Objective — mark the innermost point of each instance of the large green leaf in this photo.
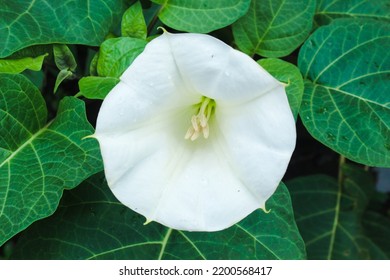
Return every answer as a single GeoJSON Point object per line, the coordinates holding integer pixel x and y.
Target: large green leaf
{"type": "Point", "coordinates": [31, 22]}
{"type": "Point", "coordinates": [117, 54]}
{"type": "Point", "coordinates": [274, 28]}
{"type": "Point", "coordinates": [327, 10]}
{"type": "Point", "coordinates": [329, 215]}
{"type": "Point", "coordinates": [289, 74]}
{"type": "Point", "coordinates": [19, 65]}
{"type": "Point", "coordinates": [39, 160]}
{"type": "Point", "coordinates": [346, 103]}
{"type": "Point", "coordinates": [91, 224]}
{"type": "Point", "coordinates": [201, 16]}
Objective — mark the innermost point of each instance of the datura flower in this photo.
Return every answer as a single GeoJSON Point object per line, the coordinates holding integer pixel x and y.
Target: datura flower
{"type": "Point", "coordinates": [196, 135]}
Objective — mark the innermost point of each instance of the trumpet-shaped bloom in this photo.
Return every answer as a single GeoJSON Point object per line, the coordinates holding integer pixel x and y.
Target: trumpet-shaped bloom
{"type": "Point", "coordinates": [196, 135]}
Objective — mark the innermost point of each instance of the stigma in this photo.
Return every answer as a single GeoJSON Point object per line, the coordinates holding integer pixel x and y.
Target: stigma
{"type": "Point", "coordinates": [200, 122]}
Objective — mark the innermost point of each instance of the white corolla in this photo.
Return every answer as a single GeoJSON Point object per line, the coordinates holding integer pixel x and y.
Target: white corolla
{"type": "Point", "coordinates": [196, 135]}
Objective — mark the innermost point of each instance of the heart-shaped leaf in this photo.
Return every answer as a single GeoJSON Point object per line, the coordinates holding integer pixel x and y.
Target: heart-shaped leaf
{"type": "Point", "coordinates": [39, 160]}
{"type": "Point", "coordinates": [346, 103]}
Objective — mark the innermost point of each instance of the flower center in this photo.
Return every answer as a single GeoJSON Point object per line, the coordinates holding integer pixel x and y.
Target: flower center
{"type": "Point", "coordinates": [199, 122]}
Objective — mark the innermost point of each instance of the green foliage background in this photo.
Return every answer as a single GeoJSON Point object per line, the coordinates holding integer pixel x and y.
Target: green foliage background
{"type": "Point", "coordinates": [58, 58]}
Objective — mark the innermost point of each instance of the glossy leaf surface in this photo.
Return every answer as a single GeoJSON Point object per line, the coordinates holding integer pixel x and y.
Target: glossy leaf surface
{"type": "Point", "coordinates": [38, 159]}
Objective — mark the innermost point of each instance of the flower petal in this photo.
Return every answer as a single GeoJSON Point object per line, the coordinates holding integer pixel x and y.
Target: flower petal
{"type": "Point", "coordinates": [152, 86]}
{"type": "Point", "coordinates": [218, 71]}
{"type": "Point", "coordinates": [259, 138]}
{"type": "Point", "coordinates": [181, 184]}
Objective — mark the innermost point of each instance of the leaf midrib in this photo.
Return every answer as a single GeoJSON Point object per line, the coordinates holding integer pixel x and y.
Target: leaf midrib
{"type": "Point", "coordinates": [13, 154]}
{"type": "Point", "coordinates": [28, 142]}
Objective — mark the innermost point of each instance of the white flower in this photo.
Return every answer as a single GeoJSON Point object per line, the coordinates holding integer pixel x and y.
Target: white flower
{"type": "Point", "coordinates": [196, 135]}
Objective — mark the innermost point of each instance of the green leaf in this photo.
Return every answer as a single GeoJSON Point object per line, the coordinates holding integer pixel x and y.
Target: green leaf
{"type": "Point", "coordinates": [328, 10]}
{"type": "Point", "coordinates": [33, 51]}
{"type": "Point", "coordinates": [31, 22]}
{"type": "Point", "coordinates": [64, 58]}
{"type": "Point", "coordinates": [274, 28]}
{"type": "Point", "coordinates": [65, 61]}
{"type": "Point", "coordinates": [133, 22]}
{"type": "Point", "coordinates": [377, 227]}
{"type": "Point", "coordinates": [62, 75]}
{"type": "Point", "coordinates": [93, 65]}
{"type": "Point", "coordinates": [201, 16]}
{"type": "Point", "coordinates": [329, 215]}
{"type": "Point", "coordinates": [19, 65]}
{"type": "Point", "coordinates": [96, 87]}
{"type": "Point", "coordinates": [346, 104]}
{"type": "Point", "coordinates": [116, 55]}
{"type": "Point", "coordinates": [39, 160]}
{"type": "Point", "coordinates": [91, 224]}
{"type": "Point", "coordinates": [289, 74]}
